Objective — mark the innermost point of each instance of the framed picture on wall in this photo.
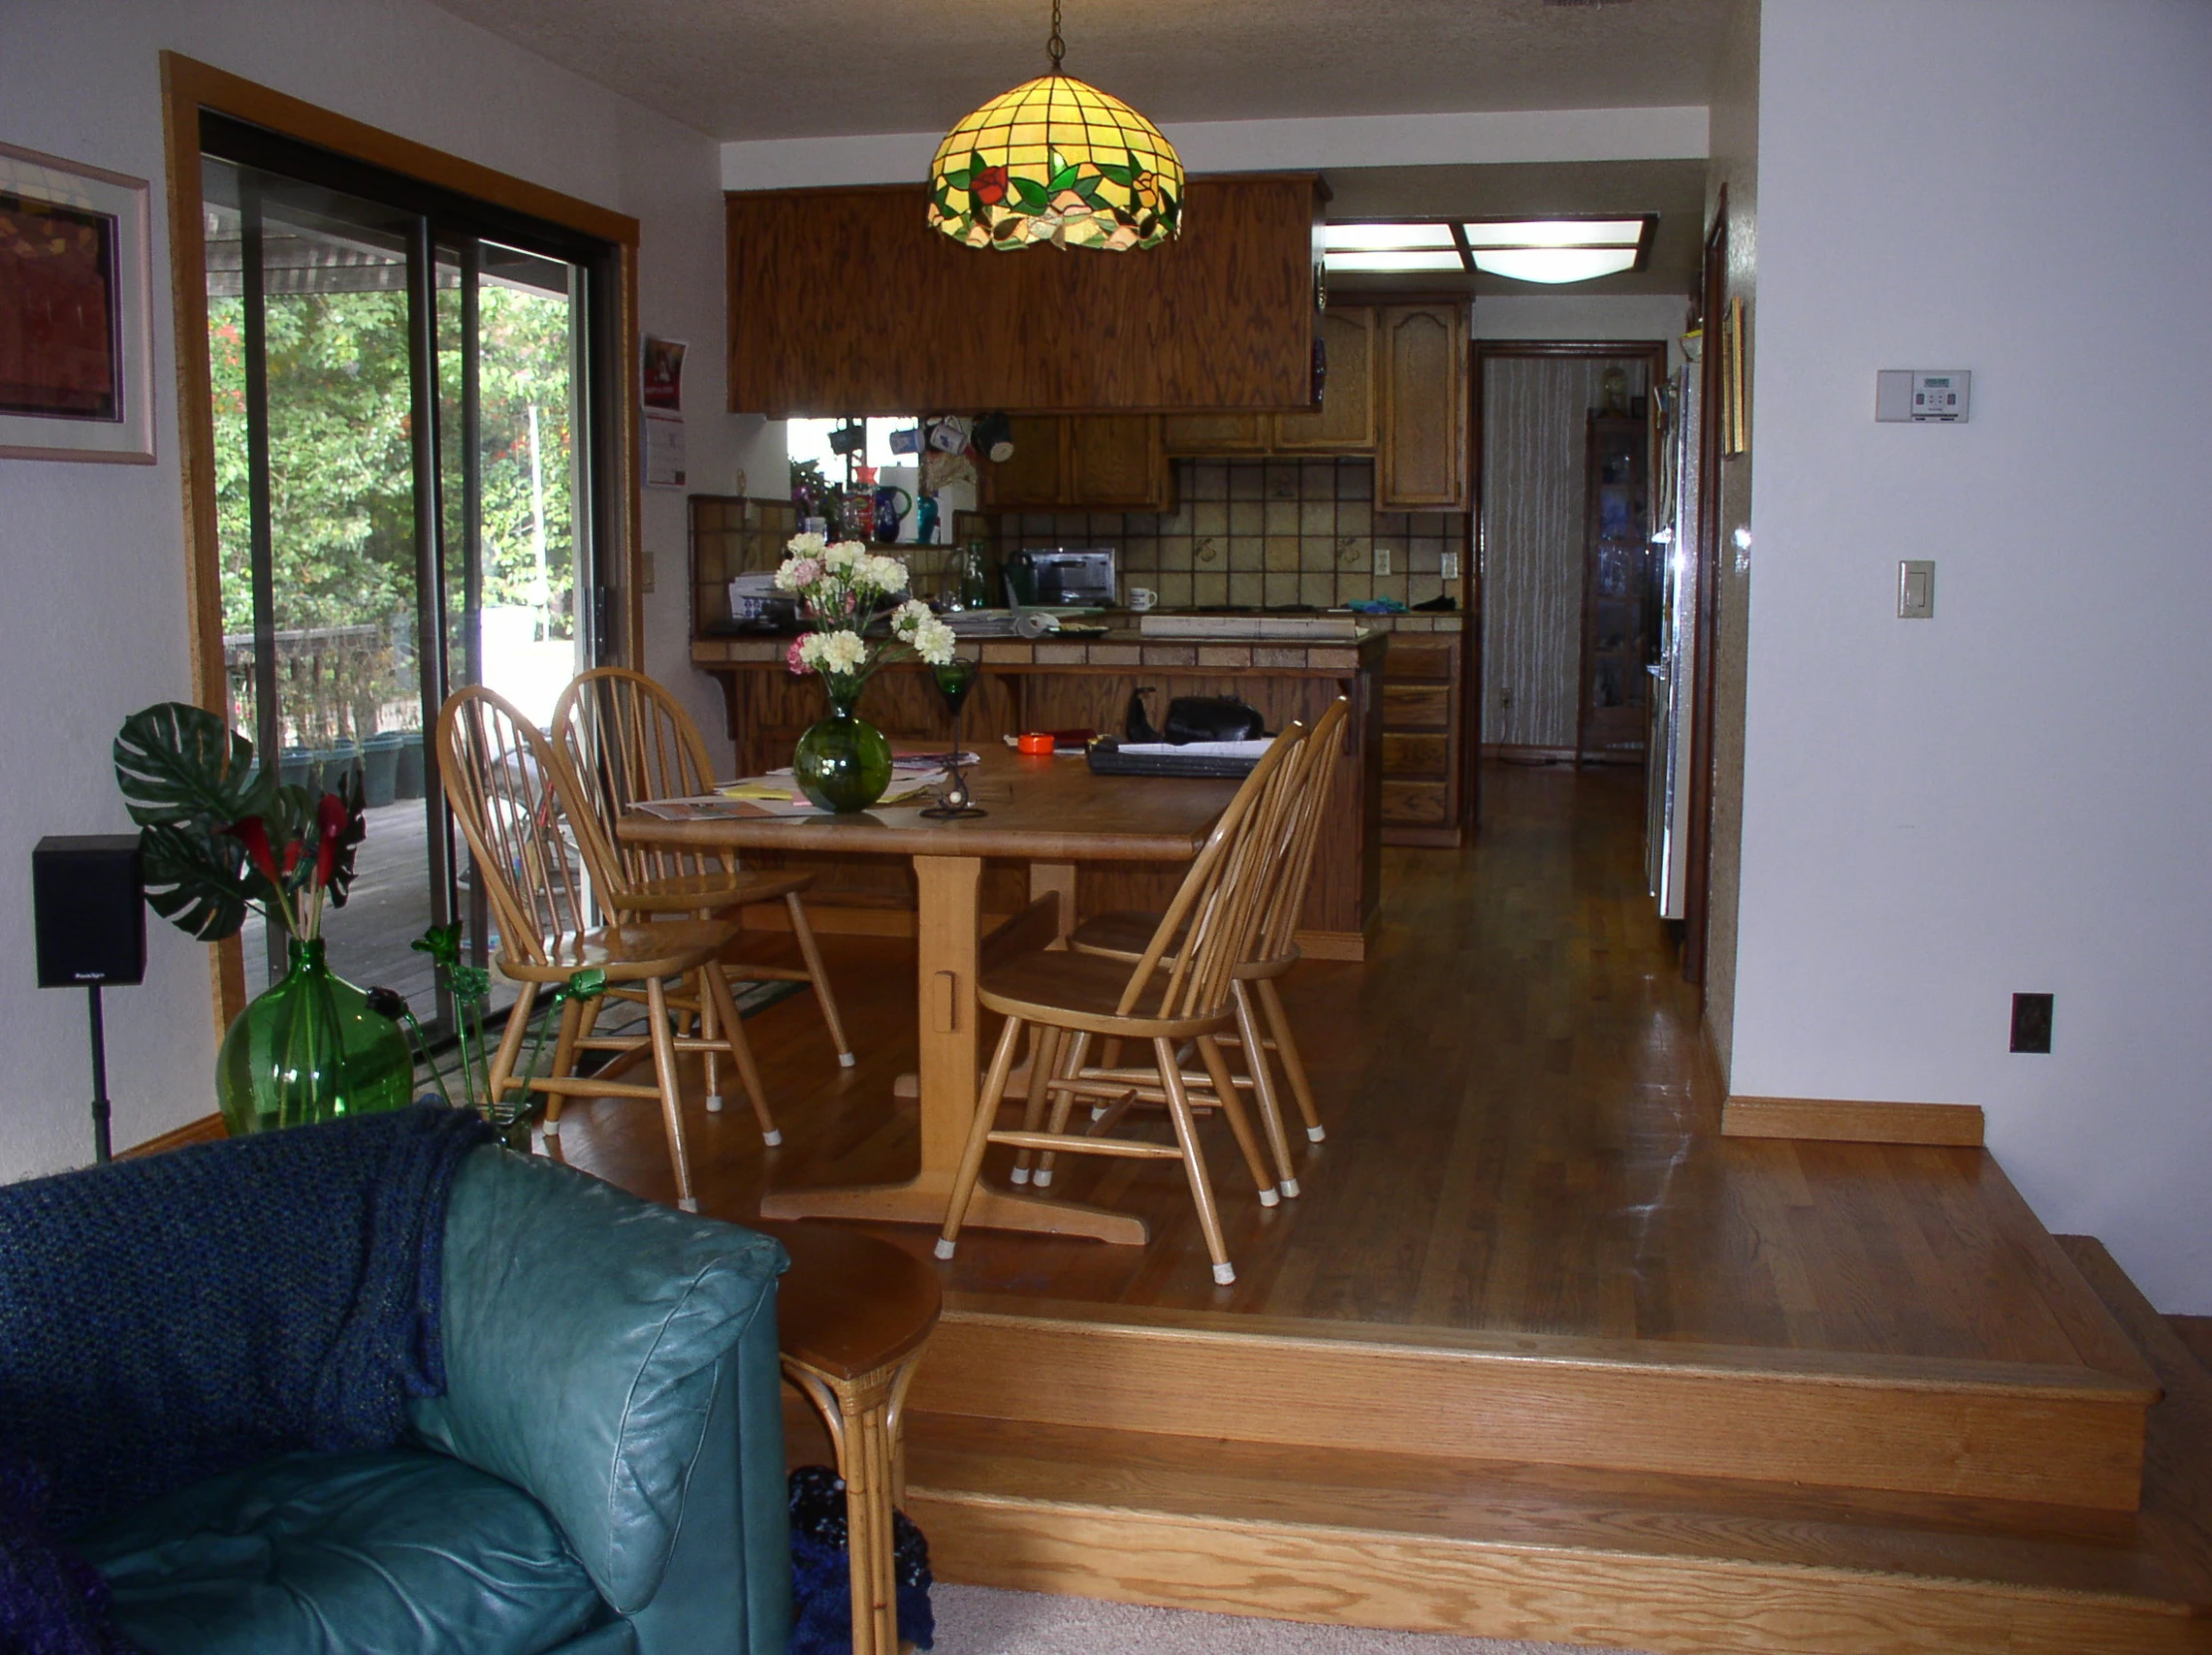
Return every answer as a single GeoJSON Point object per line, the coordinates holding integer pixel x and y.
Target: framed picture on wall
{"type": "Point", "coordinates": [76, 344]}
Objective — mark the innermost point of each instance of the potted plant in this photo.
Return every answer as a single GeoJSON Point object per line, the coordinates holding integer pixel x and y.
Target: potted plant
{"type": "Point", "coordinates": [842, 762]}
{"type": "Point", "coordinates": [221, 836]}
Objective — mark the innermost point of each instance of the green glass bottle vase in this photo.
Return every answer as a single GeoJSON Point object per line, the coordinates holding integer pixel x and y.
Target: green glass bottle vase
{"type": "Point", "coordinates": [842, 762]}
{"type": "Point", "coordinates": [310, 1049]}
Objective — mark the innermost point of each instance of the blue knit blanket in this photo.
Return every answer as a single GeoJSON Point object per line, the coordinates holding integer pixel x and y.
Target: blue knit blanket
{"type": "Point", "coordinates": [169, 1319]}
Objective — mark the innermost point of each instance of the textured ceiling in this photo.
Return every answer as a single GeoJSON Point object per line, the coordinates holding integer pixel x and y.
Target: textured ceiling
{"type": "Point", "coordinates": [755, 69]}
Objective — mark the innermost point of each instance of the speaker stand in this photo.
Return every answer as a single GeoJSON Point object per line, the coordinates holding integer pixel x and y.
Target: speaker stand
{"type": "Point", "coordinates": [101, 1149]}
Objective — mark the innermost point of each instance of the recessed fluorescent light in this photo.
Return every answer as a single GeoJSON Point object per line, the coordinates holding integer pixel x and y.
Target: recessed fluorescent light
{"type": "Point", "coordinates": [1558, 233]}
{"type": "Point", "coordinates": [1413, 258]}
{"type": "Point", "coordinates": [1340, 238]}
{"type": "Point", "coordinates": [1554, 265]}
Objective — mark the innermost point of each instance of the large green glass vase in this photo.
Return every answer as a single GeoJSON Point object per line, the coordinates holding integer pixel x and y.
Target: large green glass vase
{"type": "Point", "coordinates": [310, 1049]}
{"type": "Point", "coordinates": [842, 762]}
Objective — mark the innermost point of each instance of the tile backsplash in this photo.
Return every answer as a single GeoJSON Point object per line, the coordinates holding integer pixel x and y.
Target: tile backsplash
{"type": "Point", "coordinates": [1260, 534]}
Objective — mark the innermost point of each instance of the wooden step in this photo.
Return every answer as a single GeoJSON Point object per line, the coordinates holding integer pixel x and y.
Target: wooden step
{"type": "Point", "coordinates": [1607, 1559]}
{"type": "Point", "coordinates": [2071, 1434]}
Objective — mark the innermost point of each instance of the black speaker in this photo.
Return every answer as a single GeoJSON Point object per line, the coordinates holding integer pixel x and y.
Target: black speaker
{"type": "Point", "coordinates": [88, 895]}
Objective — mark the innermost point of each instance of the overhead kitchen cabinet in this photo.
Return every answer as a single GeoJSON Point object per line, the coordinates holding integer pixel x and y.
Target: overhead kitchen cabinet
{"type": "Point", "coordinates": [1421, 464]}
{"type": "Point", "coordinates": [846, 301]}
{"type": "Point", "coordinates": [1344, 422]}
{"type": "Point", "coordinates": [1081, 463]}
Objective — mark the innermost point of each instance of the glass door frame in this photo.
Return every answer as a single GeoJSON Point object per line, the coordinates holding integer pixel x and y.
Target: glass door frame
{"type": "Point", "coordinates": [284, 135]}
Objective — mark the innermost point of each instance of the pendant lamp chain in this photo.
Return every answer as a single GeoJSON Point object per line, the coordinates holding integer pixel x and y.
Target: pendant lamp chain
{"type": "Point", "coordinates": [1055, 48]}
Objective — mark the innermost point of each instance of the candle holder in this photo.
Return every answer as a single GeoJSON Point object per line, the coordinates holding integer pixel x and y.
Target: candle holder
{"type": "Point", "coordinates": [954, 680]}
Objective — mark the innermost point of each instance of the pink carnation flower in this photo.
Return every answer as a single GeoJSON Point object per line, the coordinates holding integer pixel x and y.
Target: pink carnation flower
{"type": "Point", "coordinates": [805, 573]}
{"type": "Point", "coordinates": [793, 660]}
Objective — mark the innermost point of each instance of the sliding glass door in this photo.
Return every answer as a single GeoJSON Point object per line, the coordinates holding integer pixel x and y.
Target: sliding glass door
{"type": "Point", "coordinates": [407, 473]}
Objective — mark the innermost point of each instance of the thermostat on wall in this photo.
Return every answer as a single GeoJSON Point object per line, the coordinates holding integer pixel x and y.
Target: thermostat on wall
{"type": "Point", "coordinates": [1922, 396]}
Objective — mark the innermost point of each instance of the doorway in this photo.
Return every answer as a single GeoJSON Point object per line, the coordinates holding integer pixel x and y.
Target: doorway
{"type": "Point", "coordinates": [1562, 492]}
{"type": "Point", "coordinates": [406, 480]}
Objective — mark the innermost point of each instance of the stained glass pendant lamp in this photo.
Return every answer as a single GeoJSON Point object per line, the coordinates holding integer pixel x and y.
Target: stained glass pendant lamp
{"type": "Point", "coordinates": [1060, 161]}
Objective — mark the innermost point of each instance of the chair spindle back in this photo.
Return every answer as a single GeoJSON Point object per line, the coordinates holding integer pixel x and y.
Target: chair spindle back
{"type": "Point", "coordinates": [1308, 794]}
{"type": "Point", "coordinates": [499, 776]}
{"type": "Point", "coordinates": [622, 739]}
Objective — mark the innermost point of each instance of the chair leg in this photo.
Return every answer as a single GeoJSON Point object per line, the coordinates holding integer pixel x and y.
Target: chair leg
{"type": "Point", "coordinates": [862, 1417]}
{"type": "Point", "coordinates": [672, 1103]}
{"type": "Point", "coordinates": [812, 953]}
{"type": "Point", "coordinates": [710, 1059]}
{"type": "Point", "coordinates": [1263, 1086]}
{"type": "Point", "coordinates": [588, 1018]}
{"type": "Point", "coordinates": [1066, 1065]}
{"type": "Point", "coordinates": [511, 1048]}
{"type": "Point", "coordinates": [1240, 1123]}
{"type": "Point", "coordinates": [1286, 1048]}
{"type": "Point", "coordinates": [1044, 1054]}
{"type": "Point", "coordinates": [979, 1137]}
{"type": "Point", "coordinates": [717, 995]}
{"type": "Point", "coordinates": [1194, 1160]}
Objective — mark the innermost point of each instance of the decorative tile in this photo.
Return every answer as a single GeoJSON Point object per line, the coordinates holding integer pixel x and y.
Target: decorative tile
{"type": "Point", "coordinates": [1209, 590]}
{"type": "Point", "coordinates": [1209, 480]}
{"type": "Point", "coordinates": [1248, 552]}
{"type": "Point", "coordinates": [1355, 517]}
{"type": "Point", "coordinates": [1173, 588]}
{"type": "Point", "coordinates": [1316, 557]}
{"type": "Point", "coordinates": [1282, 552]}
{"type": "Point", "coordinates": [1245, 480]}
{"type": "Point", "coordinates": [1248, 517]}
{"type": "Point", "coordinates": [1282, 479]}
{"type": "Point", "coordinates": [1280, 589]}
{"type": "Point", "coordinates": [1317, 517]}
{"type": "Point", "coordinates": [1245, 589]}
{"type": "Point", "coordinates": [1356, 480]}
{"type": "Point", "coordinates": [1353, 554]}
{"type": "Point", "coordinates": [1320, 591]}
{"type": "Point", "coordinates": [1317, 480]}
{"type": "Point", "coordinates": [1206, 551]}
{"type": "Point", "coordinates": [1280, 516]}
{"type": "Point", "coordinates": [1210, 518]}
{"type": "Point", "coordinates": [1175, 554]}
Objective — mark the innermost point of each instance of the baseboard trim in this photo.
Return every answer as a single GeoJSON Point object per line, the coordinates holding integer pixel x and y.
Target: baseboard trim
{"type": "Point", "coordinates": [1844, 1120]}
{"type": "Point", "coordinates": [1331, 945]}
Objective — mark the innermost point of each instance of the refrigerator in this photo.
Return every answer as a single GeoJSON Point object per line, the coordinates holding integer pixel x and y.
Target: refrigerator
{"type": "Point", "coordinates": [1680, 651]}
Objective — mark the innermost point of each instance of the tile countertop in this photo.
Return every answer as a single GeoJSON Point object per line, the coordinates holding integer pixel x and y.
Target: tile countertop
{"type": "Point", "coordinates": [1122, 646]}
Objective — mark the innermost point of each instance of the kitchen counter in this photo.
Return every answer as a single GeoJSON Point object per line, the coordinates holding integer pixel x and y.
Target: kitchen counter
{"type": "Point", "coordinates": [1088, 683]}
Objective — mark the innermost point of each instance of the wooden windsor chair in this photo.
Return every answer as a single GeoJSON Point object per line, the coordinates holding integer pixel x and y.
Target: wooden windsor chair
{"type": "Point", "coordinates": [1177, 991]}
{"type": "Point", "coordinates": [502, 781]}
{"type": "Point", "coordinates": [1125, 934]}
{"type": "Point", "coordinates": [620, 738]}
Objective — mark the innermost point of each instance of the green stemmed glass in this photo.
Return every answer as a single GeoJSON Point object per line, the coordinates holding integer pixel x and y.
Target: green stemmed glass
{"type": "Point", "coordinates": [954, 680]}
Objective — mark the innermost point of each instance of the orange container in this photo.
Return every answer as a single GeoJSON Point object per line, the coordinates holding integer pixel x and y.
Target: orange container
{"type": "Point", "coordinates": [1035, 740]}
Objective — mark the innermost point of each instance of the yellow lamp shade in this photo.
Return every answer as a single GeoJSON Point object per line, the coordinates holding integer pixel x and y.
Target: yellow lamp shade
{"type": "Point", "coordinates": [1061, 161]}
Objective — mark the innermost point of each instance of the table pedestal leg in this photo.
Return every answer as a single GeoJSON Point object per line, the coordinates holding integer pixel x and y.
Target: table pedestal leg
{"type": "Point", "coordinates": [948, 944]}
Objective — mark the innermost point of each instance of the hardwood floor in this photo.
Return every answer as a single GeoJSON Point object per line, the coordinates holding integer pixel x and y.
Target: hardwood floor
{"type": "Point", "coordinates": [1523, 1137]}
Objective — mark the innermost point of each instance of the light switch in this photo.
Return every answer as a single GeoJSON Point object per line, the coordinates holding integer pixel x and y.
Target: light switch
{"type": "Point", "coordinates": [1382, 559]}
{"type": "Point", "coordinates": [1916, 589]}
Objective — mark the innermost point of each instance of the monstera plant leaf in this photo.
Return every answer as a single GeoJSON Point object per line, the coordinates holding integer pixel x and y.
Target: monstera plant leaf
{"type": "Point", "coordinates": [180, 764]}
{"type": "Point", "coordinates": [194, 879]}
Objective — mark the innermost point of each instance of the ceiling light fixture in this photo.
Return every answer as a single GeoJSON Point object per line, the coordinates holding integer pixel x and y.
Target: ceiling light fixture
{"type": "Point", "coordinates": [1056, 160]}
{"type": "Point", "coordinates": [1549, 250]}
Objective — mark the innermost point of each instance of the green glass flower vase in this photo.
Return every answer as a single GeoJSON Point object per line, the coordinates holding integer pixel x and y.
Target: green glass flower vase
{"type": "Point", "coordinates": [842, 762]}
{"type": "Point", "coordinates": [310, 1049]}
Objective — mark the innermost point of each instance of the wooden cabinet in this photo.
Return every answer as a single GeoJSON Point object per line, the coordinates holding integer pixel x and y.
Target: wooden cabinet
{"type": "Point", "coordinates": [1081, 463]}
{"type": "Point", "coordinates": [846, 301]}
{"type": "Point", "coordinates": [1344, 422]}
{"type": "Point", "coordinates": [1197, 435]}
{"type": "Point", "coordinates": [1421, 462]}
{"type": "Point", "coordinates": [1422, 740]}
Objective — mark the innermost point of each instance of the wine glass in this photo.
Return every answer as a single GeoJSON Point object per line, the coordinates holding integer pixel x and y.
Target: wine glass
{"type": "Point", "coordinates": [954, 680]}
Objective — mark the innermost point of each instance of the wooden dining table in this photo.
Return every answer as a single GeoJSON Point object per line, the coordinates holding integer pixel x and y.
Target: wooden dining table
{"type": "Point", "coordinates": [1049, 812]}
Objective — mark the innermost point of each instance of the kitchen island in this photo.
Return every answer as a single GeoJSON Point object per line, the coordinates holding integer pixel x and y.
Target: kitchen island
{"type": "Point", "coordinates": [1084, 683]}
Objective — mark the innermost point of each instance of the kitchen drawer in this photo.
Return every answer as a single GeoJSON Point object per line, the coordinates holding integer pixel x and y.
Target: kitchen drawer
{"type": "Point", "coordinates": [1416, 803]}
{"type": "Point", "coordinates": [1416, 706]}
{"type": "Point", "coordinates": [1412, 656]}
{"type": "Point", "coordinates": [1407, 755]}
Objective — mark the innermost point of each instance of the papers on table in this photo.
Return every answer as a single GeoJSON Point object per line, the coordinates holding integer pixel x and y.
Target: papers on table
{"type": "Point", "coordinates": [1211, 750]}
{"type": "Point", "coordinates": [779, 794]}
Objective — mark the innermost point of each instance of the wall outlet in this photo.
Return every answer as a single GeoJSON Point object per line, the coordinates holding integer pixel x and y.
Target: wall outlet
{"type": "Point", "coordinates": [1916, 589]}
{"type": "Point", "coordinates": [1450, 569]}
{"type": "Point", "coordinates": [2032, 1022]}
{"type": "Point", "coordinates": [1382, 559]}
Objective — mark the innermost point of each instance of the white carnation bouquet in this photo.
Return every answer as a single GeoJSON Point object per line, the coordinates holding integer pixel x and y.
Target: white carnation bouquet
{"type": "Point", "coordinates": [842, 588]}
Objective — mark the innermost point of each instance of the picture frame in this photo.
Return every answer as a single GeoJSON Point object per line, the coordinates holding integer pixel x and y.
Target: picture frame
{"type": "Point", "coordinates": [76, 312]}
{"type": "Point", "coordinates": [1736, 412]}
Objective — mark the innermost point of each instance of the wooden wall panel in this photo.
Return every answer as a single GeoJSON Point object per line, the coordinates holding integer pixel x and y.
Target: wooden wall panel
{"type": "Point", "coordinates": [1532, 436]}
{"type": "Point", "coordinates": [846, 301]}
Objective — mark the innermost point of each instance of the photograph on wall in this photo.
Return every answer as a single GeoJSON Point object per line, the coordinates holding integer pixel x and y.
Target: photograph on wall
{"type": "Point", "coordinates": [663, 373]}
{"type": "Point", "coordinates": [74, 347]}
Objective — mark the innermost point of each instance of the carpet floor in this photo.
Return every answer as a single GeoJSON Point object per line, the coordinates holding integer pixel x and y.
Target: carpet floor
{"type": "Point", "coordinates": [977, 1620]}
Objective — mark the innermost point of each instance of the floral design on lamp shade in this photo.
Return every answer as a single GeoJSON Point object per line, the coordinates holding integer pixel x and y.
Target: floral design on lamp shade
{"type": "Point", "coordinates": [1061, 161]}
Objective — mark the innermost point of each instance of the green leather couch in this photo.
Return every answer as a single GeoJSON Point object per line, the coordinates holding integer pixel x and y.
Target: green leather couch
{"type": "Point", "coordinates": [603, 1475]}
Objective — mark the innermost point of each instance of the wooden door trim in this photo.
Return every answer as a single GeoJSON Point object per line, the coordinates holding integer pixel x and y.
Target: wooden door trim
{"type": "Point", "coordinates": [189, 87]}
{"type": "Point", "coordinates": [1697, 914]}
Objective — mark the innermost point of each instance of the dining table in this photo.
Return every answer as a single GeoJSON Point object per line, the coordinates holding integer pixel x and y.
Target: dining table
{"type": "Point", "coordinates": [1046, 810]}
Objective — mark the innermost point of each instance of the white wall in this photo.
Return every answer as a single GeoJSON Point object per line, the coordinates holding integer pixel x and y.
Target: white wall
{"type": "Point", "coordinates": [1584, 316]}
{"type": "Point", "coordinates": [94, 555]}
{"type": "Point", "coordinates": [1665, 134]}
{"type": "Point", "coordinates": [2014, 795]}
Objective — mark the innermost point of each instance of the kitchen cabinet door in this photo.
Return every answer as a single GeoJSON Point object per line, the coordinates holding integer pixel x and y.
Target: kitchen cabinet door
{"type": "Point", "coordinates": [1204, 434]}
{"type": "Point", "coordinates": [1034, 478]}
{"type": "Point", "coordinates": [1421, 464]}
{"type": "Point", "coordinates": [1344, 422]}
{"type": "Point", "coordinates": [1114, 461]}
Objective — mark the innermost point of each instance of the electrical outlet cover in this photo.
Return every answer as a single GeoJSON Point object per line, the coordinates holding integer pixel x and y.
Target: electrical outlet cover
{"type": "Point", "coordinates": [1382, 559]}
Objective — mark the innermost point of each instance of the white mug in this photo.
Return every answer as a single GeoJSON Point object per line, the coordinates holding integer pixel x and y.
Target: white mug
{"type": "Point", "coordinates": [1142, 598]}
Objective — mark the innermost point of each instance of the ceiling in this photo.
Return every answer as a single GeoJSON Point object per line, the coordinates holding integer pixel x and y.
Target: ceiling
{"type": "Point", "coordinates": [761, 69]}
{"type": "Point", "coordinates": [1675, 190]}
